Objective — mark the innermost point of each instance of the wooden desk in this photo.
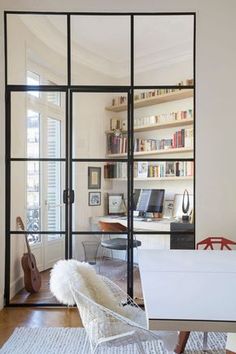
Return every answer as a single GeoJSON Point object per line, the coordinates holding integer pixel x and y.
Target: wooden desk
{"type": "Point", "coordinates": [189, 290]}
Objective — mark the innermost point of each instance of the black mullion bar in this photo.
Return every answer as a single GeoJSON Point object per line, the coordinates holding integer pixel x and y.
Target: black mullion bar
{"type": "Point", "coordinates": [8, 199]}
{"type": "Point", "coordinates": [99, 160]}
{"type": "Point", "coordinates": [94, 13]}
{"type": "Point", "coordinates": [176, 87]}
{"type": "Point", "coordinates": [67, 179]}
{"type": "Point", "coordinates": [40, 159]}
{"type": "Point", "coordinates": [5, 49]}
{"type": "Point", "coordinates": [163, 160]}
{"type": "Point", "coordinates": [43, 88]}
{"type": "Point", "coordinates": [162, 232]}
{"type": "Point", "coordinates": [68, 50]}
{"type": "Point", "coordinates": [130, 283]}
{"type": "Point", "coordinates": [194, 123]}
{"type": "Point", "coordinates": [16, 232]}
{"type": "Point", "coordinates": [70, 169]}
{"type": "Point", "coordinates": [125, 233]}
{"type": "Point", "coordinates": [99, 88]}
{"type": "Point", "coordinates": [99, 233]}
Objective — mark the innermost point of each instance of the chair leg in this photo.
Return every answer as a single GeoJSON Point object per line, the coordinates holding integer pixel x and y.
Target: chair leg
{"type": "Point", "coordinates": [183, 338]}
{"type": "Point", "coordinates": [205, 347]}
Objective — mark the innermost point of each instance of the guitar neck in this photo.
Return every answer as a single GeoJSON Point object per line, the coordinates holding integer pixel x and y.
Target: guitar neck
{"type": "Point", "coordinates": [27, 244]}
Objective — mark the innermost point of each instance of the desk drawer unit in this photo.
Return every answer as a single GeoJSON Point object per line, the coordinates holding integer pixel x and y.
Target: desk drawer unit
{"type": "Point", "coordinates": [183, 240]}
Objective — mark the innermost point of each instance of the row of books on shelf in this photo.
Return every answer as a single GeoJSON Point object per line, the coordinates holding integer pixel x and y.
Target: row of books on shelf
{"type": "Point", "coordinates": [144, 169]}
{"type": "Point", "coordinates": [122, 100]}
{"type": "Point", "coordinates": [181, 139]}
{"type": "Point", "coordinates": [121, 124]}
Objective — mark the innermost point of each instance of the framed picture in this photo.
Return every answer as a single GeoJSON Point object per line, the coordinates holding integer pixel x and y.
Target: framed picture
{"type": "Point", "coordinates": [168, 208]}
{"type": "Point", "coordinates": [94, 199]}
{"type": "Point", "coordinates": [94, 177]}
{"type": "Point", "coordinates": [116, 204]}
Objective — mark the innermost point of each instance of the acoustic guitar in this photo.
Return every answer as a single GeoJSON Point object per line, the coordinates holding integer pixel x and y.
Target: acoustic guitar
{"type": "Point", "coordinates": [32, 278]}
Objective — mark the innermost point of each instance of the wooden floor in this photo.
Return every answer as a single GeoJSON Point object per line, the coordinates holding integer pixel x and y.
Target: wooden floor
{"type": "Point", "coordinates": [10, 318]}
{"type": "Point", "coordinates": [44, 296]}
{"type": "Point", "coordinates": [113, 269]}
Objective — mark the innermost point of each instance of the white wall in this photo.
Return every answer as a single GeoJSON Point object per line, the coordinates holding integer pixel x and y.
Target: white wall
{"type": "Point", "coordinates": [216, 70]}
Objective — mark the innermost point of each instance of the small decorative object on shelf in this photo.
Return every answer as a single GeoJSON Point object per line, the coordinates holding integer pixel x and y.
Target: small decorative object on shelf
{"type": "Point", "coordinates": [185, 206]}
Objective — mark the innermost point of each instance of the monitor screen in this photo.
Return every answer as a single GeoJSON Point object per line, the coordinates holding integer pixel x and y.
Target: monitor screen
{"type": "Point", "coordinates": [151, 200]}
{"type": "Point", "coordinates": [136, 195]}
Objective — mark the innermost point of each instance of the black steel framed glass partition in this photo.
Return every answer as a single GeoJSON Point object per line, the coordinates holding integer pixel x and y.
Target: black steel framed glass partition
{"type": "Point", "coordinates": [100, 111]}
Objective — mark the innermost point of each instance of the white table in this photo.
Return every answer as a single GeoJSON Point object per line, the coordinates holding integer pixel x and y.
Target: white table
{"type": "Point", "coordinates": [189, 290]}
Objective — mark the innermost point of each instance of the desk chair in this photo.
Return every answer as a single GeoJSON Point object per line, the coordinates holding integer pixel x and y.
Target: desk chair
{"type": "Point", "coordinates": [116, 243]}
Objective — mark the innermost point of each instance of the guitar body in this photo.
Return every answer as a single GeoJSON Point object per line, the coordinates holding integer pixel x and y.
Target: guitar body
{"type": "Point", "coordinates": [32, 276]}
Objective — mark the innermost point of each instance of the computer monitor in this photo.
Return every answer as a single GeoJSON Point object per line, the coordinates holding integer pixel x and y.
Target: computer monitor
{"type": "Point", "coordinates": [136, 195]}
{"type": "Point", "coordinates": [151, 200]}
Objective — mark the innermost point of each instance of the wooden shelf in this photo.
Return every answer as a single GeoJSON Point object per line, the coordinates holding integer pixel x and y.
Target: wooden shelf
{"type": "Point", "coordinates": [176, 123]}
{"type": "Point", "coordinates": [168, 97]}
{"type": "Point", "coordinates": [174, 178]}
{"type": "Point", "coordinates": [154, 152]}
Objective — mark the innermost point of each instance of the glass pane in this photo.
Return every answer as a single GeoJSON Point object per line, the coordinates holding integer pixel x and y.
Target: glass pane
{"type": "Point", "coordinates": [37, 125]}
{"type": "Point", "coordinates": [163, 123]}
{"type": "Point", "coordinates": [163, 50]}
{"type": "Point", "coordinates": [100, 50]}
{"type": "Point", "coordinates": [36, 196]}
{"type": "Point", "coordinates": [98, 196]}
{"type": "Point", "coordinates": [45, 255]}
{"type": "Point", "coordinates": [158, 194]}
{"type": "Point", "coordinates": [110, 262]}
{"type": "Point", "coordinates": [39, 42]}
{"type": "Point", "coordinates": [98, 130]}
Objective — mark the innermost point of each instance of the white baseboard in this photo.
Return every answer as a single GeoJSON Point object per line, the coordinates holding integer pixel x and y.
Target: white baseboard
{"type": "Point", "coordinates": [16, 286]}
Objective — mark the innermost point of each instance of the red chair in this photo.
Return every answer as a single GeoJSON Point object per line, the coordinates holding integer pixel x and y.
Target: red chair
{"type": "Point", "coordinates": [209, 243]}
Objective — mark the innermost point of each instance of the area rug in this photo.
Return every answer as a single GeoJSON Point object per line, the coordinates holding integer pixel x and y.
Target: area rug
{"type": "Point", "coordinates": [74, 341]}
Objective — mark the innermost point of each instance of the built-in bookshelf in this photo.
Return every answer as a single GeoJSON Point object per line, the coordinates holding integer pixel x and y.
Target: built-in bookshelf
{"type": "Point", "coordinates": [158, 96]}
{"type": "Point", "coordinates": [154, 152]}
{"type": "Point", "coordinates": [182, 138]}
{"type": "Point", "coordinates": [149, 179]}
{"type": "Point", "coordinates": [178, 142]}
{"type": "Point", "coordinates": [149, 127]}
{"type": "Point", "coordinates": [146, 170]}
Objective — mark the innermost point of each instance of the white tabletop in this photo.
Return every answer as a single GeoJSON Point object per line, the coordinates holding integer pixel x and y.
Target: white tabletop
{"type": "Point", "coordinates": [189, 290]}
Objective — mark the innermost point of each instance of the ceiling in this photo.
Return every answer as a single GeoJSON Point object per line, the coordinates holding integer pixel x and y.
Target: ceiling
{"type": "Point", "coordinates": [103, 42]}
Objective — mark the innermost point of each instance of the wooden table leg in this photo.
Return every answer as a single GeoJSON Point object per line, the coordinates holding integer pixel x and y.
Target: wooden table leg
{"type": "Point", "coordinates": [183, 338]}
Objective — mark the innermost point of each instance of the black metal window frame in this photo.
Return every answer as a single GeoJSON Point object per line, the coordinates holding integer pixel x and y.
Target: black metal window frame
{"type": "Point", "coordinates": [69, 160]}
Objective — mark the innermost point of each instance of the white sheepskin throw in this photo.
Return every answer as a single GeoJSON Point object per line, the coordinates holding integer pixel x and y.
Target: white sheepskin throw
{"type": "Point", "coordinates": [84, 279]}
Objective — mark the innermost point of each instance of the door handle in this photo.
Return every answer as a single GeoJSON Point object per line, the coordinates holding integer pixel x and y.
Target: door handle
{"type": "Point", "coordinates": [68, 196]}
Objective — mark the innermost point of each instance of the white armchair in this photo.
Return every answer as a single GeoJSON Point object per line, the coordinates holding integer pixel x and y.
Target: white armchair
{"type": "Point", "coordinates": [113, 323]}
